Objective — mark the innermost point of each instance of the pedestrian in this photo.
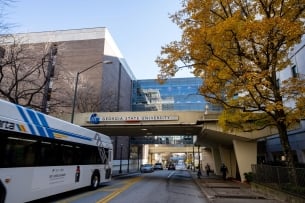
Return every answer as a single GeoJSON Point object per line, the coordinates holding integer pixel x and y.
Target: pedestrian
{"type": "Point", "coordinates": [224, 170]}
{"type": "Point", "coordinates": [199, 173]}
{"type": "Point", "coordinates": [207, 169]}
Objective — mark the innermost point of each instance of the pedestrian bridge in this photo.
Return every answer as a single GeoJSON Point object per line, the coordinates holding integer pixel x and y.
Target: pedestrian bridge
{"type": "Point", "coordinates": [158, 123]}
{"type": "Point", "coordinates": [232, 148]}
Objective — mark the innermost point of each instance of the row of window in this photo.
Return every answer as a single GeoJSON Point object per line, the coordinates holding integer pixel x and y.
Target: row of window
{"type": "Point", "coordinates": [19, 150]}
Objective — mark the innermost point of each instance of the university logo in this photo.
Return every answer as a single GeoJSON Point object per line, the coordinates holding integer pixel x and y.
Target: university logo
{"type": "Point", "coordinates": [94, 119]}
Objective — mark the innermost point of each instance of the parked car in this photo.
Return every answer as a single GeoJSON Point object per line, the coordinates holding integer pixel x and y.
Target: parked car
{"type": "Point", "coordinates": [171, 166]}
{"type": "Point", "coordinates": [180, 166]}
{"type": "Point", "coordinates": [158, 166]}
{"type": "Point", "coordinates": [146, 168]}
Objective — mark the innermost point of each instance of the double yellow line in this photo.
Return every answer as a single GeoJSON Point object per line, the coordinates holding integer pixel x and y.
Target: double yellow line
{"type": "Point", "coordinates": [120, 190]}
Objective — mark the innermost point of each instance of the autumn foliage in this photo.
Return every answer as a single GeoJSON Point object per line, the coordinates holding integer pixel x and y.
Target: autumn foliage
{"type": "Point", "coordinates": [238, 47]}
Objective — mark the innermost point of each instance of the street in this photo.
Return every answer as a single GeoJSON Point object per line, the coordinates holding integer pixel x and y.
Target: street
{"type": "Point", "coordinates": [159, 186]}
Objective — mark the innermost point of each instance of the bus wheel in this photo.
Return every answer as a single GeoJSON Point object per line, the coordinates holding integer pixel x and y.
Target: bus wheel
{"type": "Point", "coordinates": [95, 180]}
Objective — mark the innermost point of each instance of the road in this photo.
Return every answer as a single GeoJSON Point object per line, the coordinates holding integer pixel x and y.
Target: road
{"type": "Point", "coordinates": [159, 186]}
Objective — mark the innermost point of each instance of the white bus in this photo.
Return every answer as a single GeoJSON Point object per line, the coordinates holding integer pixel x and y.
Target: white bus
{"type": "Point", "coordinates": [41, 156]}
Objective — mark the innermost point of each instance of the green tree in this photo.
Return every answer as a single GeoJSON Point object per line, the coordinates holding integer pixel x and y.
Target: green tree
{"type": "Point", "coordinates": [238, 47]}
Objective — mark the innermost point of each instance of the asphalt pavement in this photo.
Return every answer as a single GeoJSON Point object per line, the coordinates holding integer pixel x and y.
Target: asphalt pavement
{"type": "Point", "coordinates": [217, 190]}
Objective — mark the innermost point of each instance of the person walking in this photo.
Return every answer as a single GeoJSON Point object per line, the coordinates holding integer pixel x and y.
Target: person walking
{"type": "Point", "coordinates": [199, 173]}
{"type": "Point", "coordinates": [224, 170]}
{"type": "Point", "coordinates": [207, 169]}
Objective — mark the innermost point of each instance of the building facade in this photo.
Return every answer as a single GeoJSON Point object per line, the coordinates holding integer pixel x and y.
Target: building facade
{"type": "Point", "coordinates": [269, 149]}
{"type": "Point", "coordinates": [92, 53]}
{"type": "Point", "coordinates": [90, 60]}
{"type": "Point", "coordinates": [176, 94]}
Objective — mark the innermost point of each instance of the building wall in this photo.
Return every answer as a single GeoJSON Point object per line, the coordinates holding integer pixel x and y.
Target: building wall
{"type": "Point", "coordinates": [81, 49]}
{"type": "Point", "coordinates": [117, 85]}
{"type": "Point", "coordinates": [272, 152]}
{"type": "Point", "coordinates": [78, 50]}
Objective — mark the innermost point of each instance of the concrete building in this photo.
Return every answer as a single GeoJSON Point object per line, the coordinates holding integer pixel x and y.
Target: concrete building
{"type": "Point", "coordinates": [105, 79]}
{"type": "Point", "coordinates": [108, 75]}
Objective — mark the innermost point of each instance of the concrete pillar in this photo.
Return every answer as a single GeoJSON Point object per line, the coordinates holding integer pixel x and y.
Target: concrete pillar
{"type": "Point", "coordinates": [145, 154]}
{"type": "Point", "coordinates": [227, 156]}
{"type": "Point", "coordinates": [217, 160]}
{"type": "Point", "coordinates": [207, 157]}
{"type": "Point", "coordinates": [246, 155]}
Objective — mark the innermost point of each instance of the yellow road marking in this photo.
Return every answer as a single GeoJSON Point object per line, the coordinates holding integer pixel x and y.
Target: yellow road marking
{"type": "Point", "coordinates": [119, 190]}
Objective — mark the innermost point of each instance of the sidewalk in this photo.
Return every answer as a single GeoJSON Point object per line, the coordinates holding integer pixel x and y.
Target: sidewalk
{"type": "Point", "coordinates": [217, 190]}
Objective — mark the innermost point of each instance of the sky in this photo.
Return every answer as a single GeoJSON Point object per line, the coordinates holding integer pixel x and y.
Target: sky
{"type": "Point", "coordinates": [139, 27]}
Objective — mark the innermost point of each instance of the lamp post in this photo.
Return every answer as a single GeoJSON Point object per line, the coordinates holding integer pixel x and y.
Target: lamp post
{"type": "Point", "coordinates": [121, 153]}
{"type": "Point", "coordinates": [119, 88]}
{"type": "Point", "coordinates": [76, 83]}
{"type": "Point", "coordinates": [128, 154]}
{"type": "Point", "coordinates": [193, 158]}
{"type": "Point", "coordinates": [199, 164]}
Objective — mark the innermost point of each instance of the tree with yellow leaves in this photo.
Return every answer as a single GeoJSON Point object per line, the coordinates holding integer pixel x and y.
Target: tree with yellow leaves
{"type": "Point", "coordinates": [238, 47]}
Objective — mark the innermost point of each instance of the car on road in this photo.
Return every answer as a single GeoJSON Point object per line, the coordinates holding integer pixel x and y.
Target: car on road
{"type": "Point", "coordinates": [180, 166]}
{"type": "Point", "coordinates": [146, 168]}
{"type": "Point", "coordinates": [158, 166]}
{"type": "Point", "coordinates": [171, 166]}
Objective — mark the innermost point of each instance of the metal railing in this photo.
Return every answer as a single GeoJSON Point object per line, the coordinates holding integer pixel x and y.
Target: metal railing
{"type": "Point", "coordinates": [277, 177]}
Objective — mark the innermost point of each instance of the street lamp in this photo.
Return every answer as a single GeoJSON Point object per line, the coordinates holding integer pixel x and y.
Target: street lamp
{"type": "Point", "coordinates": [193, 158]}
{"type": "Point", "coordinates": [199, 164]}
{"type": "Point", "coordinates": [121, 153]}
{"type": "Point", "coordinates": [76, 83]}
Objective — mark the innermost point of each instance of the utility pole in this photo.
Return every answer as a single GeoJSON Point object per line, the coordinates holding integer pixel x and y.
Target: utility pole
{"type": "Point", "coordinates": [50, 74]}
{"type": "Point", "coordinates": [121, 154]}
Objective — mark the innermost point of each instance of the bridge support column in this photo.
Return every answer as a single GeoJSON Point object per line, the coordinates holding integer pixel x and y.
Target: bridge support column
{"type": "Point", "coordinates": [217, 160]}
{"type": "Point", "coordinates": [227, 156]}
{"type": "Point", "coordinates": [246, 155]}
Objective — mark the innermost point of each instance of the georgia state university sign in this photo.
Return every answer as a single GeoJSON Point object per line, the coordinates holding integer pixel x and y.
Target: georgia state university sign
{"type": "Point", "coordinates": [95, 119]}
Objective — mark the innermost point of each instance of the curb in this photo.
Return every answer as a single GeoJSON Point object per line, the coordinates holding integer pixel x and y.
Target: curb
{"type": "Point", "coordinates": [208, 196]}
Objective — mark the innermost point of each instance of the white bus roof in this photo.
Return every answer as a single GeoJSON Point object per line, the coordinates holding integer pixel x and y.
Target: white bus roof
{"type": "Point", "coordinates": [24, 120]}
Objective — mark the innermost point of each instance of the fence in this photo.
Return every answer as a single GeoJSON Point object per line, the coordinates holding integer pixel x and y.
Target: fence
{"type": "Point", "coordinates": [278, 177]}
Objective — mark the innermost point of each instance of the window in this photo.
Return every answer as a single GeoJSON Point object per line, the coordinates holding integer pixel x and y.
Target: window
{"type": "Point", "coordinates": [294, 72]}
{"type": "Point", "coordinates": [18, 150]}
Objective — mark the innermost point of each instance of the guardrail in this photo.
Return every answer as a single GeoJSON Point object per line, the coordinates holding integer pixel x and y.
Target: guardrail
{"type": "Point", "coordinates": [277, 177]}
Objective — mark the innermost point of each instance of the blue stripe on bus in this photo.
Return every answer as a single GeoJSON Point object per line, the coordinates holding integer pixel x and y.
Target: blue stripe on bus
{"type": "Point", "coordinates": [50, 133]}
{"type": "Point", "coordinates": [45, 124]}
{"type": "Point", "coordinates": [33, 117]}
{"type": "Point", "coordinates": [20, 109]}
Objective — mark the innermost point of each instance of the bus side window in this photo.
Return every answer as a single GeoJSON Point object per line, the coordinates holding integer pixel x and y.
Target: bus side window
{"type": "Point", "coordinates": [77, 155]}
{"type": "Point", "coordinates": [92, 155]}
{"type": "Point", "coordinates": [29, 155]}
{"type": "Point", "coordinates": [15, 153]}
{"type": "Point", "coordinates": [43, 155]}
{"type": "Point", "coordinates": [3, 151]}
{"type": "Point", "coordinates": [67, 154]}
{"type": "Point", "coordinates": [48, 154]}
